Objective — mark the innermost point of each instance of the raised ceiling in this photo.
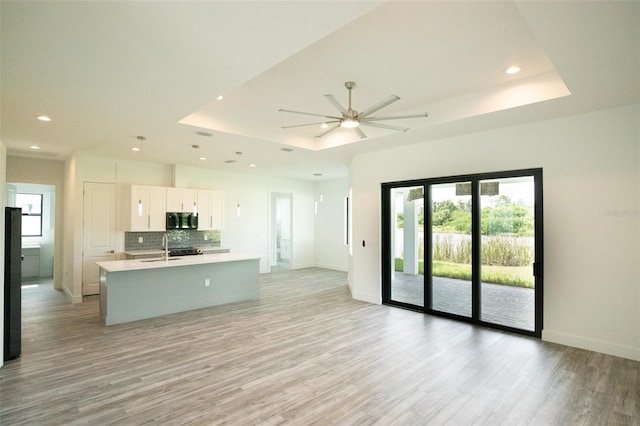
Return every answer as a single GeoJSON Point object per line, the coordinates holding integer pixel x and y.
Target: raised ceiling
{"type": "Point", "coordinates": [107, 72]}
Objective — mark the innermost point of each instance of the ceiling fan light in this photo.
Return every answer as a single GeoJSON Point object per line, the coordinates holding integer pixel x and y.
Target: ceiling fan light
{"type": "Point", "coordinates": [349, 123]}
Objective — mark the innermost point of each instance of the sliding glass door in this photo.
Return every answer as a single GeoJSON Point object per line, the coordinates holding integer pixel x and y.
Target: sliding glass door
{"type": "Point", "coordinates": [507, 225]}
{"type": "Point", "coordinates": [451, 263]}
{"type": "Point", "coordinates": [466, 247]}
{"type": "Point", "coordinates": [406, 240]}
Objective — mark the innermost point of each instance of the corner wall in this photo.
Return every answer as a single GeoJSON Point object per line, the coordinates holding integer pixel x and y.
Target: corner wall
{"type": "Point", "coordinates": [591, 176]}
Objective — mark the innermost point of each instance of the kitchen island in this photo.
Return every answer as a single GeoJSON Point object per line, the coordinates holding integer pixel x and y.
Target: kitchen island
{"type": "Point", "coordinates": [136, 289]}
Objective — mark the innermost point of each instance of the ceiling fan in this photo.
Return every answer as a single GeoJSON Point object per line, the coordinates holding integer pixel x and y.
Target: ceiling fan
{"type": "Point", "coordinates": [352, 119]}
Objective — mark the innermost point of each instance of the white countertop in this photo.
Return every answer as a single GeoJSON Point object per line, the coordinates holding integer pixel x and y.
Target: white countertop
{"type": "Point", "coordinates": [136, 264]}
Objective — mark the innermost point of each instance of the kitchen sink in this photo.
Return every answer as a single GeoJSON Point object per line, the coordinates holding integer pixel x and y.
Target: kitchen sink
{"type": "Point", "coordinates": [159, 260]}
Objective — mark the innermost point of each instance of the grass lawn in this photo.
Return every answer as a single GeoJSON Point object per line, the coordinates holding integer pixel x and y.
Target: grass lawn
{"type": "Point", "coordinates": [517, 276]}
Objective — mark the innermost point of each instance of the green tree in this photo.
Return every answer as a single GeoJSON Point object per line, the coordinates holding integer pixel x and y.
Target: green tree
{"type": "Point", "coordinates": [442, 212]}
{"type": "Point", "coordinates": [461, 221]}
{"type": "Point", "coordinates": [504, 218]}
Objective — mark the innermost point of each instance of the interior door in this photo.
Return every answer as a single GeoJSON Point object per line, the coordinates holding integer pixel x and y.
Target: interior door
{"type": "Point", "coordinates": [99, 232]}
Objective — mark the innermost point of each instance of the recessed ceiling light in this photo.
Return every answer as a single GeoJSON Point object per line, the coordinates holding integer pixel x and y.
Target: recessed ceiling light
{"type": "Point", "coordinates": [36, 147]}
{"type": "Point", "coordinates": [135, 148]}
{"type": "Point", "coordinates": [203, 158]}
{"type": "Point", "coordinates": [238, 152]}
{"type": "Point", "coordinates": [252, 165]}
{"type": "Point", "coordinates": [141, 138]}
{"type": "Point", "coordinates": [43, 118]}
{"type": "Point", "coordinates": [324, 125]}
{"type": "Point", "coordinates": [219, 98]}
{"type": "Point", "coordinates": [513, 70]}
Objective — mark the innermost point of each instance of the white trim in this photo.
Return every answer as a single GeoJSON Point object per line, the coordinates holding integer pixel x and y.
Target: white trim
{"type": "Point", "coordinates": [332, 267]}
{"type": "Point", "coordinates": [591, 344]}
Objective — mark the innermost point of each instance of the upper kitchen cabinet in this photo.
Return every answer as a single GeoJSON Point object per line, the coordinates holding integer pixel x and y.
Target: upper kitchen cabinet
{"type": "Point", "coordinates": [210, 210]}
{"type": "Point", "coordinates": [145, 208]}
{"type": "Point", "coordinates": [182, 200]}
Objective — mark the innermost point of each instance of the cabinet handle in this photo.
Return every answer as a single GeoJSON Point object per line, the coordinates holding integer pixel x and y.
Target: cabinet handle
{"type": "Point", "coordinates": [111, 251]}
{"type": "Point", "coordinates": [149, 221]}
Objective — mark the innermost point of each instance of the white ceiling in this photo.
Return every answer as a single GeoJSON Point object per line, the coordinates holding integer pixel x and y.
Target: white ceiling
{"type": "Point", "coordinates": [107, 72]}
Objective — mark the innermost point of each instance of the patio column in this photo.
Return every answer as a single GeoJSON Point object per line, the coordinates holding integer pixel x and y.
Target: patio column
{"type": "Point", "coordinates": [410, 237]}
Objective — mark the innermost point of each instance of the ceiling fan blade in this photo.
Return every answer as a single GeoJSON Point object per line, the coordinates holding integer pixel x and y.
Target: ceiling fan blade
{"type": "Point", "coordinates": [310, 124]}
{"type": "Point", "coordinates": [336, 104]}
{"type": "Point", "coordinates": [384, 126]}
{"type": "Point", "coordinates": [326, 132]}
{"type": "Point", "coordinates": [391, 99]}
{"type": "Point", "coordinates": [399, 117]}
{"type": "Point", "coordinates": [310, 113]}
{"type": "Point", "coordinates": [361, 133]}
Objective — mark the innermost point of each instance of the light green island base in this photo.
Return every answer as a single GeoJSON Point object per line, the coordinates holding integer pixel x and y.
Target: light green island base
{"type": "Point", "coordinates": [130, 294]}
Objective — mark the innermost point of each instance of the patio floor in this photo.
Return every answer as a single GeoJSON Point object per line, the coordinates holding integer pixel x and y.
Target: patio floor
{"type": "Point", "coordinates": [501, 304]}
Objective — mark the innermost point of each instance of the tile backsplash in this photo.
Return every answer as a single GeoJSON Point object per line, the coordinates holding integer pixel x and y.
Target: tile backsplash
{"type": "Point", "coordinates": [177, 238]}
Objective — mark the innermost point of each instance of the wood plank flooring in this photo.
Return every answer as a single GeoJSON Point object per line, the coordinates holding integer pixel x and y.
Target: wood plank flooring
{"type": "Point", "coordinates": [304, 354]}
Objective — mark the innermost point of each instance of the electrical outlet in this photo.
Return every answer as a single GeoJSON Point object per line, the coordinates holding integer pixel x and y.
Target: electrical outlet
{"type": "Point", "coordinates": [140, 240]}
{"type": "Point", "coordinates": [206, 282]}
{"type": "Point", "coordinates": [206, 237]}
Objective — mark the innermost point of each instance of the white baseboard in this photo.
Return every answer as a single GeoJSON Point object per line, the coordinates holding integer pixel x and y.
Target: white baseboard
{"type": "Point", "coordinates": [332, 267]}
{"type": "Point", "coordinates": [74, 299]}
{"type": "Point", "coordinates": [365, 297]}
{"type": "Point", "coordinates": [609, 348]}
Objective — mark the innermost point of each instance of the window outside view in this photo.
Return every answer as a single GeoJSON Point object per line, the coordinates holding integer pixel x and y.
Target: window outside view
{"type": "Point", "coordinates": [31, 205]}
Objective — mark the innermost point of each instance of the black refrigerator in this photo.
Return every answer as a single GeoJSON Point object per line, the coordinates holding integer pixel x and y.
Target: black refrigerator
{"type": "Point", "coordinates": [12, 283]}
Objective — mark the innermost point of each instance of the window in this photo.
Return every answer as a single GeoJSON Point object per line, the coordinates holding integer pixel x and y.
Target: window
{"type": "Point", "coordinates": [31, 205]}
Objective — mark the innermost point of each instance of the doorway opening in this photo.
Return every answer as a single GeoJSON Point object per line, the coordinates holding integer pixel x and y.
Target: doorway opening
{"type": "Point", "coordinates": [281, 231]}
{"type": "Point", "coordinates": [38, 203]}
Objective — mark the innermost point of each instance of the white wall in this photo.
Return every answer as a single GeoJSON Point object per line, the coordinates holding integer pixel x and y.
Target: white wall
{"type": "Point", "coordinates": [330, 250]}
{"type": "Point", "coordinates": [591, 180]}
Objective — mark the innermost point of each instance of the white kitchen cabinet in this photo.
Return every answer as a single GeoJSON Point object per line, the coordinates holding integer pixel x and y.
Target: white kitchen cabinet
{"type": "Point", "coordinates": [182, 200]}
{"type": "Point", "coordinates": [30, 262]}
{"type": "Point", "coordinates": [204, 210]}
{"type": "Point", "coordinates": [210, 210]}
{"type": "Point", "coordinates": [145, 208]}
{"type": "Point", "coordinates": [217, 210]}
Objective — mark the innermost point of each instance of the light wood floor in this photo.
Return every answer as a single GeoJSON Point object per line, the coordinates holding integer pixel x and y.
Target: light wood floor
{"type": "Point", "coordinates": [304, 354]}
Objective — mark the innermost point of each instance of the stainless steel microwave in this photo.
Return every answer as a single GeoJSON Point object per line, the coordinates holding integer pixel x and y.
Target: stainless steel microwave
{"type": "Point", "coordinates": [182, 220]}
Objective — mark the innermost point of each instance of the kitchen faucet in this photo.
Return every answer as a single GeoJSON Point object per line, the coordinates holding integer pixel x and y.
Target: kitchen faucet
{"type": "Point", "coordinates": [165, 243]}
